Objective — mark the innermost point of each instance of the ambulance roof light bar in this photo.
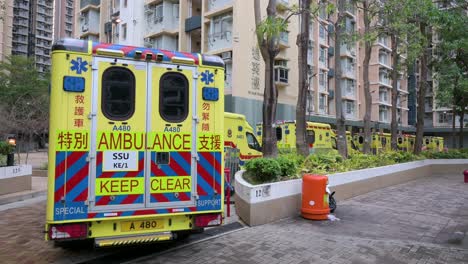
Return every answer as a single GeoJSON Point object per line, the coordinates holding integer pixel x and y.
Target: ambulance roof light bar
{"type": "Point", "coordinates": [110, 52]}
{"type": "Point", "coordinates": [181, 60]}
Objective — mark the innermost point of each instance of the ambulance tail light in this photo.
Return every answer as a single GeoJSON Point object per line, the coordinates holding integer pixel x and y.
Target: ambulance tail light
{"type": "Point", "coordinates": [206, 220]}
{"type": "Point", "coordinates": [68, 231]}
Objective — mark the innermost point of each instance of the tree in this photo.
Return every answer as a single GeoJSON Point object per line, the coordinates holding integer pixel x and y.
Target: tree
{"type": "Point", "coordinates": [340, 116]}
{"type": "Point", "coordinates": [24, 98]}
{"type": "Point", "coordinates": [303, 45]}
{"type": "Point", "coordinates": [451, 66]}
{"type": "Point", "coordinates": [268, 35]}
{"type": "Point", "coordinates": [371, 10]}
{"type": "Point", "coordinates": [424, 15]}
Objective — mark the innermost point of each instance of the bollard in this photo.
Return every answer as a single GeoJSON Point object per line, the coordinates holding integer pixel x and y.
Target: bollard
{"type": "Point", "coordinates": [10, 159]}
{"type": "Point", "coordinates": [227, 173]}
{"type": "Point", "coordinates": [315, 197]}
{"type": "Point", "coordinates": [465, 173]}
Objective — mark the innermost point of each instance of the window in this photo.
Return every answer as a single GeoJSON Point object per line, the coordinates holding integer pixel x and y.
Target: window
{"type": "Point", "coordinates": [323, 56]}
{"type": "Point", "coordinates": [349, 107]}
{"type": "Point", "coordinates": [322, 103]}
{"type": "Point", "coordinates": [173, 97]}
{"type": "Point", "coordinates": [310, 137]}
{"type": "Point", "coordinates": [281, 71]}
{"type": "Point", "coordinates": [383, 96]}
{"type": "Point", "coordinates": [322, 32]}
{"type": "Point", "coordinates": [124, 31]}
{"type": "Point", "coordinates": [279, 133]}
{"type": "Point", "coordinates": [175, 10]}
{"type": "Point", "coordinates": [118, 93]}
{"type": "Point", "coordinates": [158, 14]}
{"type": "Point", "coordinates": [125, 3]}
{"type": "Point", "coordinates": [252, 142]}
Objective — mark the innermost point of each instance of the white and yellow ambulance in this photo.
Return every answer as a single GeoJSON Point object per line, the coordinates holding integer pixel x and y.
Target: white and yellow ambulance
{"type": "Point", "coordinates": [318, 136]}
{"type": "Point", "coordinates": [239, 135]}
{"type": "Point", "coordinates": [136, 143]}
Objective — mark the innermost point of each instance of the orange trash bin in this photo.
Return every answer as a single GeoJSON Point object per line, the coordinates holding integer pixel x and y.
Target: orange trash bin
{"type": "Point", "coordinates": [315, 197]}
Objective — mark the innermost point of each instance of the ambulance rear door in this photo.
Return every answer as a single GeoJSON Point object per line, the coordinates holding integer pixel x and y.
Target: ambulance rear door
{"type": "Point", "coordinates": [172, 134]}
{"type": "Point", "coordinates": [118, 151]}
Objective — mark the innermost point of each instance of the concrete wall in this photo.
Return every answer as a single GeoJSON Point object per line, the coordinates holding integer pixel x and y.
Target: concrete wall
{"type": "Point", "coordinates": [15, 179]}
{"type": "Point", "coordinates": [265, 203]}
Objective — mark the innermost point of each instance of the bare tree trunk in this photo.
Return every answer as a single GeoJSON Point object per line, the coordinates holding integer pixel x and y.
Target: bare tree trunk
{"type": "Point", "coordinates": [462, 116]}
{"type": "Point", "coordinates": [421, 94]}
{"type": "Point", "coordinates": [394, 122]}
{"type": "Point", "coordinates": [303, 45]}
{"type": "Point", "coordinates": [269, 50]}
{"type": "Point", "coordinates": [340, 116]}
{"type": "Point", "coordinates": [454, 142]}
{"type": "Point", "coordinates": [367, 92]}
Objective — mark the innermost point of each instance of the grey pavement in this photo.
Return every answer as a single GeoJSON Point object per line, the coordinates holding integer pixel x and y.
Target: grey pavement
{"type": "Point", "coordinates": [422, 221]}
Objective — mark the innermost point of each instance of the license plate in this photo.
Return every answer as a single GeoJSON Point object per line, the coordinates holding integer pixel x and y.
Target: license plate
{"type": "Point", "coordinates": [131, 226]}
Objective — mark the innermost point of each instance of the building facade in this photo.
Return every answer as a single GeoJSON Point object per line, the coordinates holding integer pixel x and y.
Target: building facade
{"type": "Point", "coordinates": [32, 31]}
{"type": "Point", "coordinates": [227, 28]}
{"type": "Point", "coordinates": [64, 19]}
{"type": "Point", "coordinates": [6, 28]}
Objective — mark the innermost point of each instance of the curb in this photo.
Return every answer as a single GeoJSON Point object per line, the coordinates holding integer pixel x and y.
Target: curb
{"type": "Point", "coordinates": [21, 197]}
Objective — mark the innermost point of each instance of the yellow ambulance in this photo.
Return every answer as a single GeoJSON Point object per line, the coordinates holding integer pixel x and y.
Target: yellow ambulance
{"type": "Point", "coordinates": [318, 136]}
{"type": "Point", "coordinates": [349, 140]}
{"type": "Point", "coordinates": [135, 144]}
{"type": "Point", "coordinates": [239, 135]}
{"type": "Point", "coordinates": [433, 143]}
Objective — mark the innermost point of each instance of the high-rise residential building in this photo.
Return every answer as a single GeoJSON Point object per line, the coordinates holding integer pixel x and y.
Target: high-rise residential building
{"type": "Point", "coordinates": [32, 30]}
{"type": "Point", "coordinates": [227, 28]}
{"type": "Point", "coordinates": [64, 19]}
{"type": "Point", "coordinates": [6, 27]}
{"type": "Point", "coordinates": [92, 20]}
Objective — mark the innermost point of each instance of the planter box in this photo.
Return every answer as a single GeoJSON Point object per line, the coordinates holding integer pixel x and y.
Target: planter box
{"type": "Point", "coordinates": [264, 203]}
{"type": "Point", "coordinates": [15, 179]}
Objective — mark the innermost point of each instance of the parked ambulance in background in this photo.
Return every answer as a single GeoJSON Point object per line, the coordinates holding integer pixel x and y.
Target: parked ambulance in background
{"type": "Point", "coordinates": [318, 136]}
{"type": "Point", "coordinates": [238, 134]}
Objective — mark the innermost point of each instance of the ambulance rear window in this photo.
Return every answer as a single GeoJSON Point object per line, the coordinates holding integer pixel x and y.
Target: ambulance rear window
{"type": "Point", "coordinates": [173, 97]}
{"type": "Point", "coordinates": [118, 93]}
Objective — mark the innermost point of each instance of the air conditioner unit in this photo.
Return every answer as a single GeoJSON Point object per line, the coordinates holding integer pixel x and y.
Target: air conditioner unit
{"type": "Point", "coordinates": [226, 55]}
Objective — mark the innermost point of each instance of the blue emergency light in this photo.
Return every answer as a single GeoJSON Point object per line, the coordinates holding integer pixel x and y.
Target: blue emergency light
{"type": "Point", "coordinates": [210, 94]}
{"type": "Point", "coordinates": [73, 84]}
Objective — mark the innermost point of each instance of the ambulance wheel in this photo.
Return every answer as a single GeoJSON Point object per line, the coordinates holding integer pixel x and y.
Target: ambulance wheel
{"type": "Point", "coordinates": [74, 244]}
{"type": "Point", "coordinates": [182, 235]}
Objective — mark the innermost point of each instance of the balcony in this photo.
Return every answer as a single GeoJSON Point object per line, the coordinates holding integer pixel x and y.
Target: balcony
{"type": "Point", "coordinates": [348, 89]}
{"type": "Point", "coordinates": [192, 23]}
{"type": "Point", "coordinates": [348, 71]}
{"type": "Point", "coordinates": [213, 5]}
{"type": "Point", "coordinates": [86, 3]}
{"type": "Point", "coordinates": [350, 9]}
{"type": "Point", "coordinates": [163, 19]}
{"type": "Point", "coordinates": [384, 42]}
{"type": "Point", "coordinates": [348, 50]}
{"type": "Point", "coordinates": [284, 40]}
{"type": "Point", "coordinates": [384, 60]}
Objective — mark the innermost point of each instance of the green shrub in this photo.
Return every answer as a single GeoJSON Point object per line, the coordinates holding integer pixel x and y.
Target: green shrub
{"type": "Point", "coordinates": [288, 167]}
{"type": "Point", "coordinates": [5, 148]}
{"type": "Point", "coordinates": [450, 154]}
{"type": "Point", "coordinates": [262, 170]}
{"type": "Point", "coordinates": [322, 163]}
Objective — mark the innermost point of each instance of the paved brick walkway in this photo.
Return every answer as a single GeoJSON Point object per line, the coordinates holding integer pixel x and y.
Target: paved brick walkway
{"type": "Point", "coordinates": [407, 223]}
